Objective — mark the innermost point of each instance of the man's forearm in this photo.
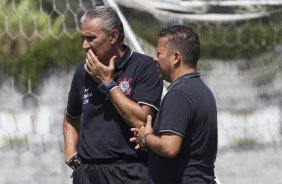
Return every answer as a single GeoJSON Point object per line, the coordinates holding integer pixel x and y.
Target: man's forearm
{"type": "Point", "coordinates": [165, 145]}
{"type": "Point", "coordinates": [70, 130]}
{"type": "Point", "coordinates": [131, 112]}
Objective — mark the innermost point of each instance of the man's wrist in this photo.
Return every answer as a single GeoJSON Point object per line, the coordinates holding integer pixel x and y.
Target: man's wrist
{"type": "Point", "coordinates": [113, 88]}
{"type": "Point", "coordinates": [105, 88]}
{"type": "Point", "coordinates": [144, 139]}
{"type": "Point", "coordinates": [73, 162]}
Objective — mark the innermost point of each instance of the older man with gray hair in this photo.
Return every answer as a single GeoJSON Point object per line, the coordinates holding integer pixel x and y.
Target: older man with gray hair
{"type": "Point", "coordinates": [113, 90]}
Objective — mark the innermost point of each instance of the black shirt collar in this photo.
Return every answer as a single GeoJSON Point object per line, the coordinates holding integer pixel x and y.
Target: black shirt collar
{"type": "Point", "coordinates": [185, 76]}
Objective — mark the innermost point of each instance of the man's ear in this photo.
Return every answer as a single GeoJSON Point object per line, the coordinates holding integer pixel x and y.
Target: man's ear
{"type": "Point", "coordinates": [177, 59]}
{"type": "Point", "coordinates": [114, 35]}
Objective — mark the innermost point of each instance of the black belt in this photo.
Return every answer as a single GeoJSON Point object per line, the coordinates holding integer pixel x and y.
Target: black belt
{"type": "Point", "coordinates": [114, 161]}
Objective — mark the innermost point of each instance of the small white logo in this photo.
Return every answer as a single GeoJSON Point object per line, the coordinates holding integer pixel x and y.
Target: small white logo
{"type": "Point", "coordinates": [85, 90]}
{"type": "Point", "coordinates": [85, 101]}
{"type": "Point", "coordinates": [88, 95]}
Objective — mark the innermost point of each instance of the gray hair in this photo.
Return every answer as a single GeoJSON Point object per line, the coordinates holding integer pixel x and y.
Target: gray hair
{"type": "Point", "coordinates": [109, 17]}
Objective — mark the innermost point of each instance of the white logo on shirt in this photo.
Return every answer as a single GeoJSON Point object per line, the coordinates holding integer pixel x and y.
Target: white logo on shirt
{"type": "Point", "coordinates": [85, 90]}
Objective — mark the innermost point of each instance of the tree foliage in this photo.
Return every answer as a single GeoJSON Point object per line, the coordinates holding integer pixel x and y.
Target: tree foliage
{"type": "Point", "coordinates": [33, 42]}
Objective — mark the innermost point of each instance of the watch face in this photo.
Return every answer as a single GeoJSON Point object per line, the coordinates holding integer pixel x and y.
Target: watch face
{"type": "Point", "coordinates": [104, 89]}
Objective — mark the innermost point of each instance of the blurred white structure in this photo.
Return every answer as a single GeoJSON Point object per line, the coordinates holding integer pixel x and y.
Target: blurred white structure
{"type": "Point", "coordinates": [197, 9]}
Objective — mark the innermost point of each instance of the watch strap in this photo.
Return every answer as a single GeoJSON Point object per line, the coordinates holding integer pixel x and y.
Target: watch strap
{"type": "Point", "coordinates": [105, 88]}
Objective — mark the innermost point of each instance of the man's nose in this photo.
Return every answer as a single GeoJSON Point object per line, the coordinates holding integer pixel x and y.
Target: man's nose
{"type": "Point", "coordinates": [85, 44]}
{"type": "Point", "coordinates": [155, 59]}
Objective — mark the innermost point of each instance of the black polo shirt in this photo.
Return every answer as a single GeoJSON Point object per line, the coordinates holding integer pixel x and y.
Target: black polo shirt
{"type": "Point", "coordinates": [188, 110]}
{"type": "Point", "coordinates": [103, 133]}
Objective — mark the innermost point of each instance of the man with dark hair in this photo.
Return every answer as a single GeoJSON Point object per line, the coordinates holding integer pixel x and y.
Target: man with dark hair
{"type": "Point", "coordinates": [183, 142]}
{"type": "Point", "coordinates": [114, 90]}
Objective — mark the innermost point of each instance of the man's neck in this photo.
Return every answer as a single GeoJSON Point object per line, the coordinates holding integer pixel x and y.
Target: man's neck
{"type": "Point", "coordinates": [180, 72]}
{"type": "Point", "coordinates": [120, 52]}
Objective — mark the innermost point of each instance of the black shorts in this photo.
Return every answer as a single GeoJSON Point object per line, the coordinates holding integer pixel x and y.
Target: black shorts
{"type": "Point", "coordinates": [114, 173]}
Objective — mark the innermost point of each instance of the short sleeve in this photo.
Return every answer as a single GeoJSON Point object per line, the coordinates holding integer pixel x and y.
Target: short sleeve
{"type": "Point", "coordinates": [148, 87]}
{"type": "Point", "coordinates": [176, 113]}
{"type": "Point", "coordinates": [74, 102]}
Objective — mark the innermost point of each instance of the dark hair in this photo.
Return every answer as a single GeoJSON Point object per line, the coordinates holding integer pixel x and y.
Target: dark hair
{"type": "Point", "coordinates": [109, 17]}
{"type": "Point", "coordinates": [183, 39]}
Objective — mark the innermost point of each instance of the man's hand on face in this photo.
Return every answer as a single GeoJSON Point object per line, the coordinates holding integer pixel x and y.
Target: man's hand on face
{"type": "Point", "coordinates": [97, 70]}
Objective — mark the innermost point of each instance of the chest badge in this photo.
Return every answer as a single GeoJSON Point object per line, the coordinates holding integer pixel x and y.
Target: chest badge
{"type": "Point", "coordinates": [124, 85]}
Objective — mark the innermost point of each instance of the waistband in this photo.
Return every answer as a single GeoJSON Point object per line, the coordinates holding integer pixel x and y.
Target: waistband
{"type": "Point", "coordinates": [114, 161]}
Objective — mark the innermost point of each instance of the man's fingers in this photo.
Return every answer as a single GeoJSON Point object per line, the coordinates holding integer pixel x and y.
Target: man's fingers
{"type": "Point", "coordinates": [137, 147]}
{"type": "Point", "coordinates": [112, 61]}
{"type": "Point", "coordinates": [89, 60]}
{"type": "Point", "coordinates": [134, 129]}
{"type": "Point", "coordinates": [88, 64]}
{"type": "Point", "coordinates": [149, 121]}
{"type": "Point", "coordinates": [86, 67]}
{"type": "Point", "coordinates": [133, 139]}
{"type": "Point", "coordinates": [92, 57]}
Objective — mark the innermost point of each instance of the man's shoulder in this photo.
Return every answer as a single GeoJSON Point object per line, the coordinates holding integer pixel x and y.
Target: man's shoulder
{"type": "Point", "coordinates": [80, 67]}
{"type": "Point", "coordinates": [141, 58]}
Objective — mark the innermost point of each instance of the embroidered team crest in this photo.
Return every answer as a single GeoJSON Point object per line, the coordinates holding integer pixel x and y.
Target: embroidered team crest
{"type": "Point", "coordinates": [124, 85]}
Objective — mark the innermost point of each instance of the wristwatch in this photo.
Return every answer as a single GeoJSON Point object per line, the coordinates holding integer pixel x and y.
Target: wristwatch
{"type": "Point", "coordinates": [142, 143]}
{"type": "Point", "coordinates": [105, 88]}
